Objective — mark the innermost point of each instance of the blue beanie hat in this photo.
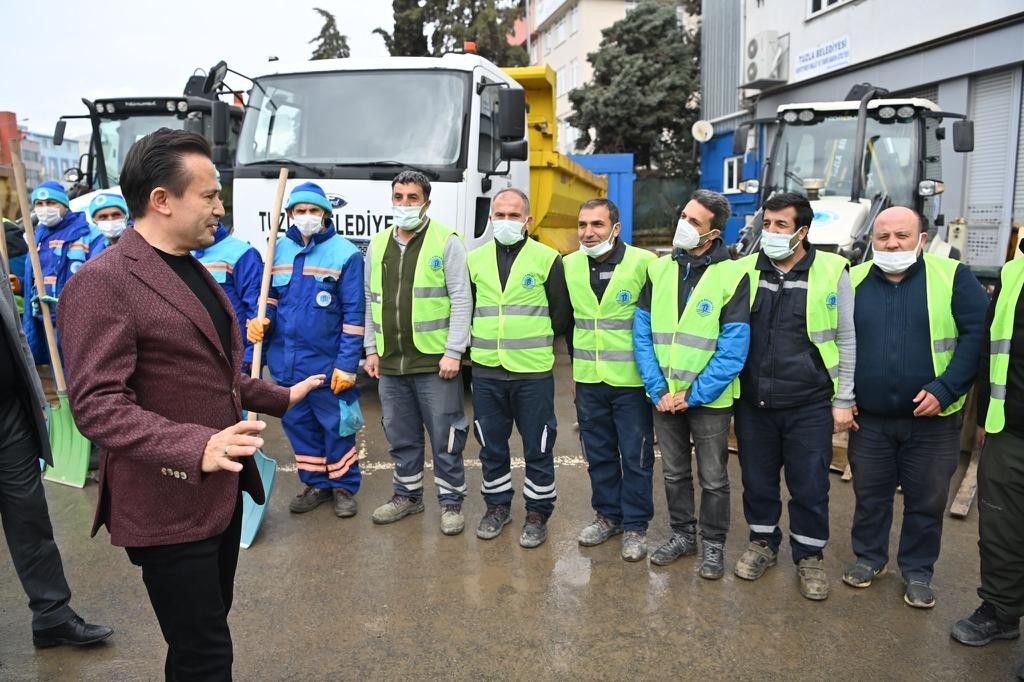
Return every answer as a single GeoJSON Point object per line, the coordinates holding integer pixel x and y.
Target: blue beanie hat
{"type": "Point", "coordinates": [310, 193]}
{"type": "Point", "coordinates": [102, 201]}
{"type": "Point", "coordinates": [51, 190]}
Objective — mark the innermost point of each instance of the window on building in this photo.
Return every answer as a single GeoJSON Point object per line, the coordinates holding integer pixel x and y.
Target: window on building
{"type": "Point", "coordinates": [547, 41]}
{"type": "Point", "coordinates": [630, 5]}
{"type": "Point", "coordinates": [816, 7]}
{"type": "Point", "coordinates": [732, 171]}
{"type": "Point", "coordinates": [562, 80]}
{"type": "Point", "coordinates": [574, 19]}
{"type": "Point", "coordinates": [560, 31]}
{"type": "Point", "coordinates": [574, 74]}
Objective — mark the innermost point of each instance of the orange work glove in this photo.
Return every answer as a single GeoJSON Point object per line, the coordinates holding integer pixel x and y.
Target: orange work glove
{"type": "Point", "coordinates": [256, 329]}
{"type": "Point", "coordinates": [342, 381]}
{"type": "Point", "coordinates": [15, 284]}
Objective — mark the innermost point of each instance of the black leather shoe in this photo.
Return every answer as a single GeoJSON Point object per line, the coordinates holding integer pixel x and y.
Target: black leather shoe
{"type": "Point", "coordinates": [75, 632]}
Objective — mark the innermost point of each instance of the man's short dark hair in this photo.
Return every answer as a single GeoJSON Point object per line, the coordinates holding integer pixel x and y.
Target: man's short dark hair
{"type": "Point", "coordinates": [717, 204]}
{"type": "Point", "coordinates": [156, 161]}
{"type": "Point", "coordinates": [784, 200]}
{"type": "Point", "coordinates": [412, 177]}
{"type": "Point", "coordinates": [613, 210]}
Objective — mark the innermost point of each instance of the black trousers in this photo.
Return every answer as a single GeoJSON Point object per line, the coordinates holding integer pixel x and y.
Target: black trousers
{"type": "Point", "coordinates": [26, 520]}
{"type": "Point", "coordinates": [1001, 523]}
{"type": "Point", "coordinates": [191, 586]}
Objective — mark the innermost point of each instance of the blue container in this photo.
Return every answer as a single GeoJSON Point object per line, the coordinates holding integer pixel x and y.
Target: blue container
{"type": "Point", "coordinates": [619, 170]}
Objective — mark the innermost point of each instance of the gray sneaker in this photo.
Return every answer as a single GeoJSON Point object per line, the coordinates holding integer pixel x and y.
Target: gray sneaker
{"type": "Point", "coordinates": [680, 544]}
{"type": "Point", "coordinates": [452, 520]}
{"type": "Point", "coordinates": [397, 508]}
{"type": "Point", "coordinates": [919, 594]}
{"type": "Point", "coordinates": [309, 499]}
{"type": "Point", "coordinates": [535, 530]}
{"type": "Point", "coordinates": [758, 558]}
{"type": "Point", "coordinates": [600, 530]}
{"type": "Point", "coordinates": [344, 504]}
{"type": "Point", "coordinates": [712, 561]}
{"type": "Point", "coordinates": [813, 579]}
{"type": "Point", "coordinates": [497, 517]}
{"type": "Point", "coordinates": [634, 545]}
{"type": "Point", "coordinates": [860, 574]}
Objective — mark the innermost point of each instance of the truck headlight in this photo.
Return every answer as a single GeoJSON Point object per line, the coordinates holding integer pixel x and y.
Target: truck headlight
{"type": "Point", "coordinates": [929, 188]}
{"type": "Point", "coordinates": [886, 112]}
{"type": "Point", "coordinates": [806, 116]}
{"type": "Point", "coordinates": [789, 117]}
{"type": "Point", "coordinates": [182, 106]}
{"type": "Point", "coordinates": [170, 106]}
{"type": "Point", "coordinates": [906, 111]}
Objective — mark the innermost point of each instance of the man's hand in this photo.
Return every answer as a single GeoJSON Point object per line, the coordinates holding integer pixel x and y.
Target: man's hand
{"type": "Point", "coordinates": [342, 381]}
{"type": "Point", "coordinates": [372, 366]}
{"type": "Point", "coordinates": [300, 390]}
{"type": "Point", "coordinates": [256, 329]}
{"type": "Point", "coordinates": [928, 405]}
{"type": "Point", "coordinates": [49, 300]}
{"type": "Point", "coordinates": [572, 389]}
{"type": "Point", "coordinates": [449, 368]}
{"type": "Point", "coordinates": [239, 440]}
{"type": "Point", "coordinates": [679, 401]}
{"type": "Point", "coordinates": [979, 437]}
{"type": "Point", "coordinates": [15, 284]}
{"type": "Point", "coordinates": [665, 404]}
{"type": "Point", "coordinates": [842, 420]}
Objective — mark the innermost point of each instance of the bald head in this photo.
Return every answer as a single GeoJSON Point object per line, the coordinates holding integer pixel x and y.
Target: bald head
{"type": "Point", "coordinates": [897, 229]}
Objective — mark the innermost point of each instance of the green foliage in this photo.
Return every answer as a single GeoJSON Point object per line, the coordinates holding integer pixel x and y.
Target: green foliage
{"type": "Point", "coordinates": [645, 92]}
{"type": "Point", "coordinates": [409, 36]}
{"type": "Point", "coordinates": [331, 44]}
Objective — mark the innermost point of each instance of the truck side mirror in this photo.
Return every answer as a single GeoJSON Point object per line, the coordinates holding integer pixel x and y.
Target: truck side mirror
{"type": "Point", "coordinates": [219, 114]}
{"type": "Point", "coordinates": [215, 77]}
{"type": "Point", "coordinates": [516, 150]}
{"type": "Point", "coordinates": [739, 139]}
{"type": "Point", "coordinates": [512, 114]}
{"type": "Point", "coordinates": [963, 136]}
{"type": "Point", "coordinates": [58, 133]}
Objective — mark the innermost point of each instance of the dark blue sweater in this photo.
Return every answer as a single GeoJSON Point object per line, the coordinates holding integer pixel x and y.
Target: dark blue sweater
{"type": "Point", "coordinates": [894, 359]}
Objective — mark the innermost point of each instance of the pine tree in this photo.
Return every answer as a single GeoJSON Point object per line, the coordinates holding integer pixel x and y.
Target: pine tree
{"type": "Point", "coordinates": [331, 44]}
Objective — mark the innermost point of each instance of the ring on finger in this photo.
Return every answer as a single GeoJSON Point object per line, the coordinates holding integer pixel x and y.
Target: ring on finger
{"type": "Point", "coordinates": [226, 447]}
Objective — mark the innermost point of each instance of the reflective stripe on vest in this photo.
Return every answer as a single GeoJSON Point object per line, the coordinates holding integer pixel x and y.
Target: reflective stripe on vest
{"type": "Point", "coordinates": [685, 343]}
{"type": "Point", "coordinates": [939, 275]}
{"type": "Point", "coordinates": [431, 307]}
{"type": "Point", "coordinates": [603, 335]}
{"type": "Point", "coordinates": [1011, 281]}
{"type": "Point", "coordinates": [512, 327]}
{"type": "Point", "coordinates": [822, 315]}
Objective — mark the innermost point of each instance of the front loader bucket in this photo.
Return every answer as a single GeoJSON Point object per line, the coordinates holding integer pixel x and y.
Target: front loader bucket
{"type": "Point", "coordinates": [70, 449]}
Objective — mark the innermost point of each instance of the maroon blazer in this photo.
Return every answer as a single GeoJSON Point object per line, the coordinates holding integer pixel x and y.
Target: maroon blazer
{"type": "Point", "coordinates": [150, 386]}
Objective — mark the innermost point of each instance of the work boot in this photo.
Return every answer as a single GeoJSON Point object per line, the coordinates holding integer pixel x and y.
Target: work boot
{"type": "Point", "coordinates": [344, 503]}
{"type": "Point", "coordinates": [813, 579]}
{"type": "Point", "coordinates": [984, 626]}
{"type": "Point", "coordinates": [859, 574]}
{"type": "Point", "coordinates": [497, 517]}
{"type": "Point", "coordinates": [680, 544]}
{"type": "Point", "coordinates": [919, 594]}
{"type": "Point", "coordinates": [758, 558]}
{"type": "Point", "coordinates": [309, 499]}
{"type": "Point", "coordinates": [397, 508]}
{"type": "Point", "coordinates": [634, 545]}
{"type": "Point", "coordinates": [600, 530]}
{"type": "Point", "coordinates": [712, 562]}
{"type": "Point", "coordinates": [535, 530]}
{"type": "Point", "coordinates": [452, 520]}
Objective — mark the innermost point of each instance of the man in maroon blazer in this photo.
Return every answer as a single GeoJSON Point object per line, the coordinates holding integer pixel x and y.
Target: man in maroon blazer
{"type": "Point", "coordinates": [157, 384]}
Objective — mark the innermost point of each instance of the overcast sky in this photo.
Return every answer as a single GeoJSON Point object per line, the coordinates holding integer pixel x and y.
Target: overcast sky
{"type": "Point", "coordinates": [133, 48]}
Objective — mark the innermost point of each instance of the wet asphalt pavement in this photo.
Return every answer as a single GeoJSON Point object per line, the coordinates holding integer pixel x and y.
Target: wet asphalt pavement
{"type": "Point", "coordinates": [322, 598]}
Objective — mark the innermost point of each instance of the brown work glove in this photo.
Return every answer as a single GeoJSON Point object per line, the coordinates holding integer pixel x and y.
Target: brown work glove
{"type": "Point", "coordinates": [256, 329]}
{"type": "Point", "coordinates": [15, 284]}
{"type": "Point", "coordinates": [342, 381]}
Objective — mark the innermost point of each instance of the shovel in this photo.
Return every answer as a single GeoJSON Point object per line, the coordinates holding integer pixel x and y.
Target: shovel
{"type": "Point", "coordinates": [252, 513]}
{"type": "Point", "coordinates": [70, 449]}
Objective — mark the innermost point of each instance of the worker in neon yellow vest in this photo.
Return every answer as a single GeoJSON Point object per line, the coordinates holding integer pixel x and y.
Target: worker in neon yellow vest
{"type": "Point", "coordinates": [920, 322]}
{"type": "Point", "coordinates": [1000, 396]}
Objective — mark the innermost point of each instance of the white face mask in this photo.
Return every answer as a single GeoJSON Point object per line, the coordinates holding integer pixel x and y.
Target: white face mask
{"type": "Point", "coordinates": [895, 262]}
{"type": "Point", "coordinates": [112, 229]}
{"type": "Point", "coordinates": [778, 246]}
{"type": "Point", "coordinates": [47, 215]}
{"type": "Point", "coordinates": [507, 232]}
{"type": "Point", "coordinates": [308, 225]}
{"type": "Point", "coordinates": [686, 236]}
{"type": "Point", "coordinates": [408, 218]}
{"type": "Point", "coordinates": [598, 250]}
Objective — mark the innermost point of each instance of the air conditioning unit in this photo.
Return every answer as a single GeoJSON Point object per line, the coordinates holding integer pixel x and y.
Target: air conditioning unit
{"type": "Point", "coordinates": [762, 61]}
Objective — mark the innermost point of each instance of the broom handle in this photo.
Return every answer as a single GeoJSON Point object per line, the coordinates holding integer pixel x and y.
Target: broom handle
{"type": "Point", "coordinates": [268, 265]}
{"type": "Point", "coordinates": [37, 268]}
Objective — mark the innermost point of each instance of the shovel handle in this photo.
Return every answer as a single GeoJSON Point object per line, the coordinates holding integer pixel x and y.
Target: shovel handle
{"type": "Point", "coordinates": [268, 265]}
{"type": "Point", "coordinates": [37, 268]}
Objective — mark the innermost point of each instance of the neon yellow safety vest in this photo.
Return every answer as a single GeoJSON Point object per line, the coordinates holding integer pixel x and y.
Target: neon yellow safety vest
{"type": "Point", "coordinates": [603, 335]}
{"type": "Point", "coordinates": [431, 307]}
{"type": "Point", "coordinates": [512, 326]}
{"type": "Point", "coordinates": [1011, 281]}
{"type": "Point", "coordinates": [939, 274]}
{"type": "Point", "coordinates": [684, 344]}
{"type": "Point", "coordinates": [822, 316]}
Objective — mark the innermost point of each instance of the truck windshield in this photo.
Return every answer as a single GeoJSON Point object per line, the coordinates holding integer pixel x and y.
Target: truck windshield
{"type": "Point", "coordinates": [411, 117]}
{"type": "Point", "coordinates": [824, 150]}
{"type": "Point", "coordinates": [118, 135]}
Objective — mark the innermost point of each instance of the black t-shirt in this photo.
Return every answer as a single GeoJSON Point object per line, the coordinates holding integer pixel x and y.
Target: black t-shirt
{"type": "Point", "coordinates": [186, 267]}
